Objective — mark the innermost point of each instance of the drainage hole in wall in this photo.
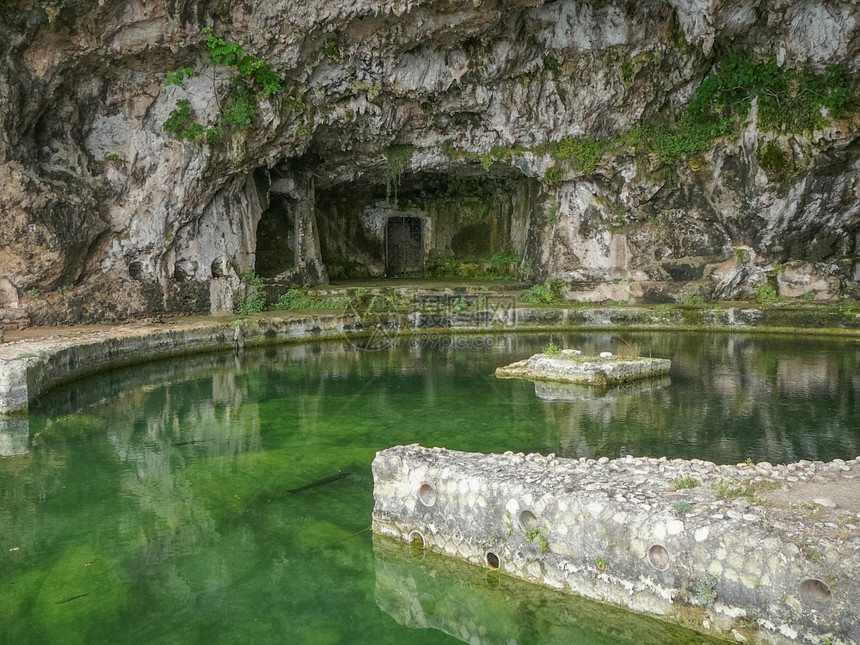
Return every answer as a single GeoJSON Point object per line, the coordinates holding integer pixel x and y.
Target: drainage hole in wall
{"type": "Point", "coordinates": [658, 556]}
{"type": "Point", "coordinates": [428, 604]}
{"type": "Point", "coordinates": [528, 520]}
{"type": "Point", "coordinates": [492, 560]}
{"type": "Point", "coordinates": [135, 270]}
{"type": "Point", "coordinates": [416, 540]}
{"type": "Point", "coordinates": [427, 494]}
{"type": "Point", "coordinates": [815, 593]}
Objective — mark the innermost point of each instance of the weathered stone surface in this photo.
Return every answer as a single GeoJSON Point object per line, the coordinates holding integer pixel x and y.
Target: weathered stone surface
{"type": "Point", "coordinates": [109, 217]}
{"type": "Point", "coordinates": [570, 366]}
{"type": "Point", "coordinates": [803, 280]}
{"type": "Point", "coordinates": [727, 553]}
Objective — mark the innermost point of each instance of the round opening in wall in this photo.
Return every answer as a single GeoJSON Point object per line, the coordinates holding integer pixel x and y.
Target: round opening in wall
{"type": "Point", "coordinates": [428, 604]}
{"type": "Point", "coordinates": [135, 270]}
{"type": "Point", "coordinates": [416, 540]}
{"type": "Point", "coordinates": [427, 494]}
{"type": "Point", "coordinates": [528, 520]}
{"type": "Point", "coordinates": [658, 557]}
{"type": "Point", "coordinates": [815, 593]}
{"type": "Point", "coordinates": [493, 560]}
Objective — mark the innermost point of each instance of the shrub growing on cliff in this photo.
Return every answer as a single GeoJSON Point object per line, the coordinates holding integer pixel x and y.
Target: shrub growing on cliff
{"type": "Point", "coordinates": [788, 101]}
{"type": "Point", "coordinates": [253, 302]}
{"type": "Point", "coordinates": [240, 109]}
{"type": "Point", "coordinates": [766, 294]}
{"type": "Point", "coordinates": [539, 294]}
{"type": "Point", "coordinates": [777, 163]}
{"type": "Point", "coordinates": [233, 55]}
{"type": "Point", "coordinates": [179, 118]}
{"type": "Point", "coordinates": [585, 150]}
{"type": "Point", "coordinates": [253, 77]}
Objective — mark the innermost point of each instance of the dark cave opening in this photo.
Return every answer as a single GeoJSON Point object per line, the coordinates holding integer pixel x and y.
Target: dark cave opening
{"type": "Point", "coordinates": [276, 238]}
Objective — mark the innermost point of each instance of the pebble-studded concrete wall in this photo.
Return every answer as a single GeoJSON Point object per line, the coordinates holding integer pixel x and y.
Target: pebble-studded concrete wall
{"type": "Point", "coordinates": [754, 552]}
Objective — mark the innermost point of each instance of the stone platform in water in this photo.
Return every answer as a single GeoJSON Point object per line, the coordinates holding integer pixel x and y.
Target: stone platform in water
{"type": "Point", "coordinates": [570, 366]}
{"type": "Point", "coordinates": [752, 552]}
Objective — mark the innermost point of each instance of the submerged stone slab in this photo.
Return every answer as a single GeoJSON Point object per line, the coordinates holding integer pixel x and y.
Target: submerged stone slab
{"type": "Point", "coordinates": [570, 366]}
{"type": "Point", "coordinates": [743, 552]}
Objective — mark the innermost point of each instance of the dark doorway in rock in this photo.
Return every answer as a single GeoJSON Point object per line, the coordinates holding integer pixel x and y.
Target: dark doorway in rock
{"type": "Point", "coordinates": [404, 247]}
{"type": "Point", "coordinates": [276, 239]}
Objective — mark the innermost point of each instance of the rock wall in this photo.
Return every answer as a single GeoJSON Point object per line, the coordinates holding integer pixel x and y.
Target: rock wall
{"type": "Point", "coordinates": [107, 216]}
{"type": "Point", "coordinates": [753, 552]}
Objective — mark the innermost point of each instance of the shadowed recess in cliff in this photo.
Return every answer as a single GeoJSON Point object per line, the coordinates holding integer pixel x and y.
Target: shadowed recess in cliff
{"type": "Point", "coordinates": [463, 223]}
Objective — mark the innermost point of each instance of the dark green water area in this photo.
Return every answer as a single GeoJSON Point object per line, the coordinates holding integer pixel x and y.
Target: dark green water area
{"type": "Point", "coordinates": [152, 505]}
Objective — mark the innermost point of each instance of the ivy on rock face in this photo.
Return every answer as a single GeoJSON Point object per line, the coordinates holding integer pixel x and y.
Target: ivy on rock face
{"type": "Point", "coordinates": [788, 101]}
{"type": "Point", "coordinates": [178, 76]}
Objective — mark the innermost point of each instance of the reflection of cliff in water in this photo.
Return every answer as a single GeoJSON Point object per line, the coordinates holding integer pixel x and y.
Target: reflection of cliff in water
{"type": "Point", "coordinates": [14, 436]}
{"type": "Point", "coordinates": [747, 395]}
{"type": "Point", "coordinates": [424, 590]}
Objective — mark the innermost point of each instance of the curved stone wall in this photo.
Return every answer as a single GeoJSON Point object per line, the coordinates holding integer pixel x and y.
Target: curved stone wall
{"type": "Point", "coordinates": [754, 551]}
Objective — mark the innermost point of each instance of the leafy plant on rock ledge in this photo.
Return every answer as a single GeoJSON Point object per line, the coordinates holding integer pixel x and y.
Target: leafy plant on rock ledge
{"type": "Point", "coordinates": [537, 534]}
{"type": "Point", "coordinates": [539, 294]}
{"type": "Point", "coordinates": [251, 79]}
{"type": "Point", "coordinates": [706, 592]}
{"type": "Point", "coordinates": [253, 302]}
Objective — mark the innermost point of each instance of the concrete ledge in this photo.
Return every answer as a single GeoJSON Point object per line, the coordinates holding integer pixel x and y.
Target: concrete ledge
{"type": "Point", "coordinates": [570, 366]}
{"type": "Point", "coordinates": [755, 552]}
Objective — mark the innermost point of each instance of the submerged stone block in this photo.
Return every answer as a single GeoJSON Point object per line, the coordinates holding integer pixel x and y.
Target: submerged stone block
{"type": "Point", "coordinates": [570, 366]}
{"type": "Point", "coordinates": [735, 550]}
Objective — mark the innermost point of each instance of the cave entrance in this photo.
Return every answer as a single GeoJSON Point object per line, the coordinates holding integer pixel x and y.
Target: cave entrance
{"type": "Point", "coordinates": [404, 247]}
{"type": "Point", "coordinates": [276, 238]}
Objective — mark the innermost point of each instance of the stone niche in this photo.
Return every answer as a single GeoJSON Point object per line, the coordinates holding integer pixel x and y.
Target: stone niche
{"type": "Point", "coordinates": [425, 224]}
{"type": "Point", "coordinates": [276, 237]}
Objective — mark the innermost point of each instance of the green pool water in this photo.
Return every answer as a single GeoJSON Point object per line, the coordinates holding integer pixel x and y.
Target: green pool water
{"type": "Point", "coordinates": [152, 505]}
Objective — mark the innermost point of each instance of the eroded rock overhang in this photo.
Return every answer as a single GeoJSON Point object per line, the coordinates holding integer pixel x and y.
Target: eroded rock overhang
{"type": "Point", "coordinates": [737, 551]}
{"type": "Point", "coordinates": [107, 216]}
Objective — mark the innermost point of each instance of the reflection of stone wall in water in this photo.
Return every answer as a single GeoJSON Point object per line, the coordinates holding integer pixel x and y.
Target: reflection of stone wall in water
{"type": "Point", "coordinates": [421, 590]}
{"type": "Point", "coordinates": [605, 396]}
{"type": "Point", "coordinates": [14, 437]}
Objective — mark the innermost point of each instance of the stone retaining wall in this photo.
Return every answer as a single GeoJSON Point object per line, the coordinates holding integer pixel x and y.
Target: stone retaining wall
{"type": "Point", "coordinates": [30, 367]}
{"type": "Point", "coordinates": [753, 552]}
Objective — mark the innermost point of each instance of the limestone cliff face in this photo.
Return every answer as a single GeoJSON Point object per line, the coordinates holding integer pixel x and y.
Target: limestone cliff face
{"type": "Point", "coordinates": [429, 114]}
